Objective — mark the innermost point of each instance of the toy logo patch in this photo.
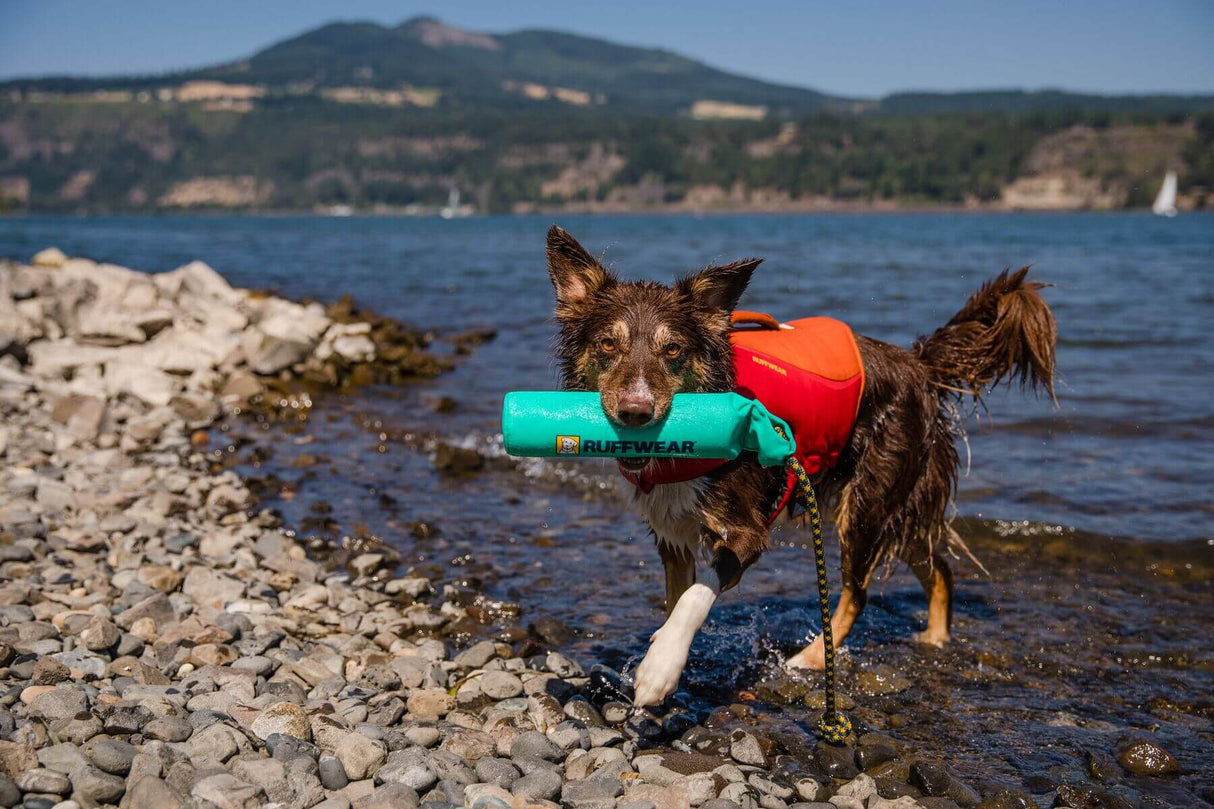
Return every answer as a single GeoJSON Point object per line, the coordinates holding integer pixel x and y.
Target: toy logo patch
{"type": "Point", "coordinates": [568, 444]}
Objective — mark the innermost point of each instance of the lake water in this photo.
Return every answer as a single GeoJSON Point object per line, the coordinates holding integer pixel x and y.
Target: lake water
{"type": "Point", "coordinates": [1093, 516]}
{"type": "Point", "coordinates": [1126, 452]}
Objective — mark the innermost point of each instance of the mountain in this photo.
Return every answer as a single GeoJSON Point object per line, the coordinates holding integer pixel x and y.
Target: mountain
{"type": "Point", "coordinates": [463, 68]}
{"type": "Point", "coordinates": [395, 118]}
{"type": "Point", "coordinates": [471, 68]}
{"type": "Point", "coordinates": [438, 63]}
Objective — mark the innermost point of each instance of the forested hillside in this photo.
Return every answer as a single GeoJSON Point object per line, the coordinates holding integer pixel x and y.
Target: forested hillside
{"type": "Point", "coordinates": [395, 118]}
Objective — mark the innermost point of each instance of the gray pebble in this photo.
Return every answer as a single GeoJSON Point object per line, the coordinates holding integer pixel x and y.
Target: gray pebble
{"type": "Point", "coordinates": [168, 729]}
{"type": "Point", "coordinates": [332, 774]}
{"type": "Point", "coordinates": [534, 743]}
{"type": "Point", "coordinates": [570, 735]}
{"type": "Point", "coordinates": [112, 755]}
{"type": "Point", "coordinates": [91, 784]}
{"type": "Point", "coordinates": [497, 771]}
{"type": "Point", "coordinates": [499, 685]}
{"type": "Point", "coordinates": [543, 785]}
{"type": "Point", "coordinates": [408, 767]}
{"type": "Point", "coordinates": [389, 796]}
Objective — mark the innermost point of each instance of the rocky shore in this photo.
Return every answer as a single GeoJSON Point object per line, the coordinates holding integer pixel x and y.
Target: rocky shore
{"type": "Point", "coordinates": [164, 643]}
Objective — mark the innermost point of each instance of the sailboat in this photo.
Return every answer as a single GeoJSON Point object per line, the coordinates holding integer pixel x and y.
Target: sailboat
{"type": "Point", "coordinates": [453, 209]}
{"type": "Point", "coordinates": [1165, 203]}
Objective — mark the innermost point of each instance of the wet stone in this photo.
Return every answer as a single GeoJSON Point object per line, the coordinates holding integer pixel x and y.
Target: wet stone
{"type": "Point", "coordinates": [870, 755]}
{"type": "Point", "coordinates": [1080, 797]}
{"type": "Point", "coordinates": [836, 762]}
{"type": "Point", "coordinates": [745, 748]}
{"type": "Point", "coordinates": [551, 630]}
{"type": "Point", "coordinates": [1147, 758]}
{"type": "Point", "coordinates": [1008, 799]}
{"type": "Point", "coordinates": [891, 789]}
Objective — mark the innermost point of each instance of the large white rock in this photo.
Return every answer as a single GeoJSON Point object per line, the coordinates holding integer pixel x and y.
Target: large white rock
{"type": "Point", "coordinates": [108, 326]}
{"type": "Point", "coordinates": [56, 358]}
{"type": "Point", "coordinates": [350, 341]}
{"type": "Point", "coordinates": [182, 350]}
{"type": "Point", "coordinates": [150, 385]}
{"type": "Point", "coordinates": [109, 284]}
{"type": "Point", "coordinates": [203, 296]}
{"type": "Point", "coordinates": [50, 257]}
{"type": "Point", "coordinates": [285, 334]}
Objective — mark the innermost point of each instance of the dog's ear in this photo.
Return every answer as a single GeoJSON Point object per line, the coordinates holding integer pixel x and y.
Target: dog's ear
{"type": "Point", "coordinates": [719, 287]}
{"type": "Point", "coordinates": [576, 275]}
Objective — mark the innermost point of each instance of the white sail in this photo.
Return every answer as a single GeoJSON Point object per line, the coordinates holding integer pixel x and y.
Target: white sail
{"type": "Point", "coordinates": [453, 209]}
{"type": "Point", "coordinates": [1165, 203]}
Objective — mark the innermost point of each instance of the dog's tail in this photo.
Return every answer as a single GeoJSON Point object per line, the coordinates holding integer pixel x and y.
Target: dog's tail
{"type": "Point", "coordinates": [1005, 332]}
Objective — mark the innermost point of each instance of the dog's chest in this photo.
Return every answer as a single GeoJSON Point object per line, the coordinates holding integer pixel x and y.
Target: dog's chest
{"type": "Point", "coordinates": [673, 512]}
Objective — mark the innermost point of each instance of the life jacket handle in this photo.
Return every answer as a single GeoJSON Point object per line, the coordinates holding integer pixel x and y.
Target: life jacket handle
{"type": "Point", "coordinates": [742, 317]}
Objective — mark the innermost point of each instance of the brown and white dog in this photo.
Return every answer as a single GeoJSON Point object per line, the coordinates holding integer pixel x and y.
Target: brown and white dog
{"type": "Point", "coordinates": [639, 343]}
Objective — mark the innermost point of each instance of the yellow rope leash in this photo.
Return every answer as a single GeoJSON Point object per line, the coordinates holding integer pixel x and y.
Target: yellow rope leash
{"type": "Point", "coordinates": [834, 725]}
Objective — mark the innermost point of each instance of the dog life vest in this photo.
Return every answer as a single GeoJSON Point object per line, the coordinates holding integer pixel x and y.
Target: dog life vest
{"type": "Point", "coordinates": [807, 372]}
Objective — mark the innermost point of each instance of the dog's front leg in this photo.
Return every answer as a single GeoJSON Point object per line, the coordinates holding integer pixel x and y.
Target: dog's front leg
{"type": "Point", "coordinates": [658, 675]}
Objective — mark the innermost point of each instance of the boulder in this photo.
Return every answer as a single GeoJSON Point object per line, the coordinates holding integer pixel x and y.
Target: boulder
{"type": "Point", "coordinates": [150, 385]}
{"type": "Point", "coordinates": [107, 326]}
{"type": "Point", "coordinates": [350, 342]}
{"type": "Point", "coordinates": [285, 335]}
{"type": "Point", "coordinates": [50, 257]}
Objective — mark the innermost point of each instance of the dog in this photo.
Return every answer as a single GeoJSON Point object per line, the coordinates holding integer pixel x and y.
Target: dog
{"type": "Point", "coordinates": [639, 343]}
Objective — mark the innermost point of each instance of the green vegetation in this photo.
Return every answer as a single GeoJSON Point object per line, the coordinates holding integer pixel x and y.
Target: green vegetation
{"type": "Point", "coordinates": [305, 152]}
{"type": "Point", "coordinates": [388, 117]}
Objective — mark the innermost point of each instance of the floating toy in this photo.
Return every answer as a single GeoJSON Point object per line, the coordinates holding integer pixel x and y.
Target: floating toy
{"type": "Point", "coordinates": [699, 425]}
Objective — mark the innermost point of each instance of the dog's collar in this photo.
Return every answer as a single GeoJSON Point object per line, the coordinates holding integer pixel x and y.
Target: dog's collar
{"type": "Point", "coordinates": [672, 470]}
{"type": "Point", "coordinates": [681, 470]}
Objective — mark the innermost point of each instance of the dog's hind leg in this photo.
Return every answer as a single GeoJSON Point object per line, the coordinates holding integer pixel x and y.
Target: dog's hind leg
{"type": "Point", "coordinates": [859, 562]}
{"type": "Point", "coordinates": [936, 577]}
{"type": "Point", "coordinates": [851, 604]}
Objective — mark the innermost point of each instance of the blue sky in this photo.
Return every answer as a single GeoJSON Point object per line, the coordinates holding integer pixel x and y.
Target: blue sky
{"type": "Point", "coordinates": [860, 48]}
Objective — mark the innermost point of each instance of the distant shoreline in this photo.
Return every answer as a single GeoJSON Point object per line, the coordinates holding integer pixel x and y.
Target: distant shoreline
{"type": "Point", "coordinates": [857, 210]}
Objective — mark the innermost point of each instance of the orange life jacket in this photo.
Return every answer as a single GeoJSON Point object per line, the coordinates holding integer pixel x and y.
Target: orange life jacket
{"type": "Point", "coordinates": [808, 372]}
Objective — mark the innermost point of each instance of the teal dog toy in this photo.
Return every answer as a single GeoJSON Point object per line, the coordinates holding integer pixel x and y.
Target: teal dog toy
{"type": "Point", "coordinates": [699, 425]}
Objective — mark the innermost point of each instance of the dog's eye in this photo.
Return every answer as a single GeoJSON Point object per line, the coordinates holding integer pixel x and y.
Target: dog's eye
{"type": "Point", "coordinates": [673, 350]}
{"type": "Point", "coordinates": [607, 345]}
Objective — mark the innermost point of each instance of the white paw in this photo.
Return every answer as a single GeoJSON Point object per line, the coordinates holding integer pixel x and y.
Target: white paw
{"type": "Point", "coordinates": [658, 675]}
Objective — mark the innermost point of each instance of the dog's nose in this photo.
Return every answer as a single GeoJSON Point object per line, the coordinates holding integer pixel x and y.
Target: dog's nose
{"type": "Point", "coordinates": [635, 411]}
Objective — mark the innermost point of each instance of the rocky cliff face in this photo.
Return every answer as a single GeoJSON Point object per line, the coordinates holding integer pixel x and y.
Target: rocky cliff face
{"type": "Point", "coordinates": [1090, 168]}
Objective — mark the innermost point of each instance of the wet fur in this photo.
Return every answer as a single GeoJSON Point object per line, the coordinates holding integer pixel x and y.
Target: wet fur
{"type": "Point", "coordinates": [891, 489]}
